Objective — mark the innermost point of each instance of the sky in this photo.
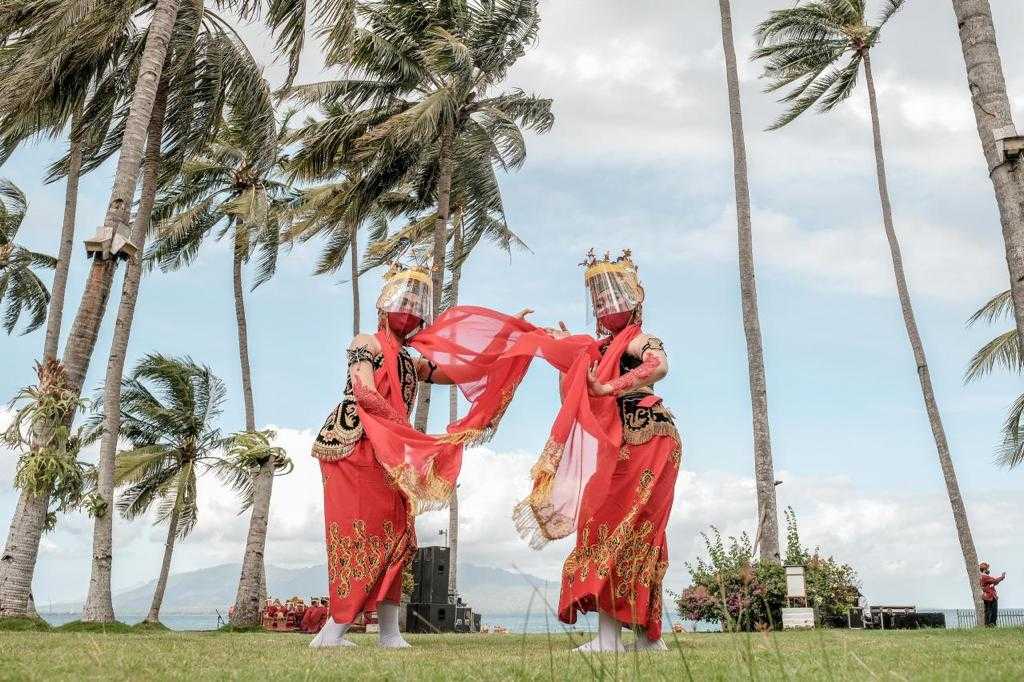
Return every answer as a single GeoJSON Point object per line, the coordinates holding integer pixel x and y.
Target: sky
{"type": "Point", "coordinates": [640, 158]}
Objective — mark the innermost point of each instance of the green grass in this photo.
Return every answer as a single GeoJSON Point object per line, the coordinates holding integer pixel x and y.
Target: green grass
{"type": "Point", "coordinates": [23, 624]}
{"type": "Point", "coordinates": [818, 655]}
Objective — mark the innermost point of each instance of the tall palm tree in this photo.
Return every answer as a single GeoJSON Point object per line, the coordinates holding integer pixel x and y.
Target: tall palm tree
{"type": "Point", "coordinates": [419, 81]}
{"type": "Point", "coordinates": [21, 290]}
{"type": "Point", "coordinates": [1004, 352]}
{"type": "Point", "coordinates": [203, 48]}
{"type": "Point", "coordinates": [235, 188]}
{"type": "Point", "coordinates": [169, 408]}
{"type": "Point", "coordinates": [764, 470]}
{"type": "Point", "coordinates": [48, 473]}
{"type": "Point", "coordinates": [994, 116]}
{"type": "Point", "coordinates": [52, 68]}
{"type": "Point", "coordinates": [817, 48]}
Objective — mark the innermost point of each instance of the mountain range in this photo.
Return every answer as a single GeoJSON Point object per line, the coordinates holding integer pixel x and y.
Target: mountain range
{"type": "Point", "coordinates": [486, 589]}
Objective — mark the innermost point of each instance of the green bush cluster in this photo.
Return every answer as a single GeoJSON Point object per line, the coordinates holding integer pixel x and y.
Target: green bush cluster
{"type": "Point", "coordinates": [742, 592]}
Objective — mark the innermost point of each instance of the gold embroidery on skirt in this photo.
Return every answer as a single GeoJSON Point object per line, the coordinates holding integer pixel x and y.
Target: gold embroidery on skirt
{"type": "Point", "coordinates": [626, 555]}
{"type": "Point", "coordinates": [358, 557]}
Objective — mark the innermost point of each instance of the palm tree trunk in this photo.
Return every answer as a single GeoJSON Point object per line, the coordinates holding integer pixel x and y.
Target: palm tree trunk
{"type": "Point", "coordinates": [252, 582]}
{"type": "Point", "coordinates": [956, 501]}
{"type": "Point", "coordinates": [243, 341]}
{"type": "Point", "coordinates": [453, 414]}
{"type": "Point", "coordinates": [54, 315]}
{"type": "Point", "coordinates": [165, 568]}
{"type": "Point", "coordinates": [992, 112]}
{"type": "Point", "coordinates": [82, 339]}
{"type": "Point", "coordinates": [18, 562]}
{"type": "Point", "coordinates": [444, 193]}
{"type": "Point", "coordinates": [353, 254]}
{"type": "Point", "coordinates": [764, 470]}
{"type": "Point", "coordinates": [247, 599]}
{"type": "Point", "coordinates": [99, 606]}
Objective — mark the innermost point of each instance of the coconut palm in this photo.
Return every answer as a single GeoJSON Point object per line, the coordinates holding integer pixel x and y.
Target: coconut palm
{"type": "Point", "coordinates": [21, 290]}
{"type": "Point", "coordinates": [817, 50]}
{"type": "Point", "coordinates": [169, 409]}
{"type": "Point", "coordinates": [49, 476]}
{"type": "Point", "coordinates": [235, 188]}
{"type": "Point", "coordinates": [994, 116]}
{"type": "Point", "coordinates": [1002, 352]}
{"type": "Point", "coordinates": [418, 89]}
{"type": "Point", "coordinates": [206, 50]}
{"type": "Point", "coordinates": [205, 60]}
{"type": "Point", "coordinates": [764, 470]}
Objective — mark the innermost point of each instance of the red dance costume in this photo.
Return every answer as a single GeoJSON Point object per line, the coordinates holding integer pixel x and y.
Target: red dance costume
{"type": "Point", "coordinates": [378, 471]}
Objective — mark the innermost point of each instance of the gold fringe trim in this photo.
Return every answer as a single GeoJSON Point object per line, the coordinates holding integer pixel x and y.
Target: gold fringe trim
{"type": "Point", "coordinates": [425, 492]}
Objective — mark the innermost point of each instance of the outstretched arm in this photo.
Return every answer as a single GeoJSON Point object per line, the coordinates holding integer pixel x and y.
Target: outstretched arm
{"type": "Point", "coordinates": [429, 372]}
{"type": "Point", "coordinates": [361, 352]}
{"type": "Point", "coordinates": [653, 368]}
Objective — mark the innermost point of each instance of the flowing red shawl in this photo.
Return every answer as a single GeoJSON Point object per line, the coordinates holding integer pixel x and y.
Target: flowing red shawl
{"type": "Point", "coordinates": [486, 354]}
{"type": "Point", "coordinates": [469, 345]}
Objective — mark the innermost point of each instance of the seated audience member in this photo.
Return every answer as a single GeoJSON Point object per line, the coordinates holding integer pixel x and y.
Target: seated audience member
{"type": "Point", "coordinates": [314, 617]}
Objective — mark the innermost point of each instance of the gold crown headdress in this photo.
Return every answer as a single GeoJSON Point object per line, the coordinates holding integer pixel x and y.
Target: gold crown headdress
{"type": "Point", "coordinates": [407, 289]}
{"type": "Point", "coordinates": [397, 271]}
{"type": "Point", "coordinates": [623, 265]}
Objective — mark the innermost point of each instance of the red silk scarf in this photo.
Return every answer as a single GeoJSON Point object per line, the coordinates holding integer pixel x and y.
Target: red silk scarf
{"type": "Point", "coordinates": [486, 354]}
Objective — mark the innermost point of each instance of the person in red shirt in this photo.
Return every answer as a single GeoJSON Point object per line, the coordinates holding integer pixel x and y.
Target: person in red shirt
{"type": "Point", "coordinates": [989, 595]}
{"type": "Point", "coordinates": [314, 617]}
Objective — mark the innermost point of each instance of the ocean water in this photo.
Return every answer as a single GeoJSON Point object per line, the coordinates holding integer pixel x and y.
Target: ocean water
{"type": "Point", "coordinates": [533, 623]}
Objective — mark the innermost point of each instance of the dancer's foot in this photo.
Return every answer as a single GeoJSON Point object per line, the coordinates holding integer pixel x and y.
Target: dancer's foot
{"type": "Point", "coordinates": [393, 642]}
{"type": "Point", "coordinates": [597, 646]}
{"type": "Point", "coordinates": [331, 635]}
{"type": "Point", "coordinates": [644, 644]}
{"type": "Point", "coordinates": [389, 636]}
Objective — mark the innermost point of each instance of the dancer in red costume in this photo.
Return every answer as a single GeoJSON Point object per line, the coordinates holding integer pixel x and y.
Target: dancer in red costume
{"type": "Point", "coordinates": [609, 469]}
{"type": "Point", "coordinates": [378, 471]}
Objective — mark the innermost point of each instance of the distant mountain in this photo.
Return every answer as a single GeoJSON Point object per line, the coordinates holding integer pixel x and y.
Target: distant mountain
{"type": "Point", "coordinates": [487, 589]}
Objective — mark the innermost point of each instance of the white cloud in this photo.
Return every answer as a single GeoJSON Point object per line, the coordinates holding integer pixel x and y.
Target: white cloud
{"type": "Point", "coordinates": [941, 262]}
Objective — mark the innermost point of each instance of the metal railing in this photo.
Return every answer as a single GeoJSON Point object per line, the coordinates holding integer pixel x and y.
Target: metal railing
{"type": "Point", "coordinates": [1008, 618]}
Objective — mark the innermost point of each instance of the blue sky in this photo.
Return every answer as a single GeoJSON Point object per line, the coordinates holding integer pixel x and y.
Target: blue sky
{"type": "Point", "coordinates": [640, 157]}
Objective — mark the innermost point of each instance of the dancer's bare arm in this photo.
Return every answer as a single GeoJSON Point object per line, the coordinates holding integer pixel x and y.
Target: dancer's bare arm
{"type": "Point", "coordinates": [653, 368]}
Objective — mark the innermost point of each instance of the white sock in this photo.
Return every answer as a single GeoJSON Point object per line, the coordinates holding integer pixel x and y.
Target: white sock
{"type": "Point", "coordinates": [609, 636]}
{"type": "Point", "coordinates": [388, 636]}
{"type": "Point", "coordinates": [644, 644]}
{"type": "Point", "coordinates": [331, 634]}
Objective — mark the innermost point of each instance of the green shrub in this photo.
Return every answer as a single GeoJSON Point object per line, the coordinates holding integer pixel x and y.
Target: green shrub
{"type": "Point", "coordinates": [741, 592]}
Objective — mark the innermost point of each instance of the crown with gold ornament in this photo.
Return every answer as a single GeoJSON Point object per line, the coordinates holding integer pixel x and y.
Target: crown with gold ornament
{"type": "Point", "coordinates": [397, 272]}
{"type": "Point", "coordinates": [623, 265]}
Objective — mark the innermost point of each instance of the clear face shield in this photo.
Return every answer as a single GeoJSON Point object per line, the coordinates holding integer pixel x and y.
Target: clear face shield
{"type": "Point", "coordinates": [407, 295]}
{"type": "Point", "coordinates": [614, 294]}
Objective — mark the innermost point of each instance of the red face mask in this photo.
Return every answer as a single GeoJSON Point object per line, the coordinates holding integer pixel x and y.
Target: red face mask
{"type": "Point", "coordinates": [616, 322]}
{"type": "Point", "coordinates": [403, 324]}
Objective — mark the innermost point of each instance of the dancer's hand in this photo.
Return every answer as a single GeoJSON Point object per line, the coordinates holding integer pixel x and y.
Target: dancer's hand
{"type": "Point", "coordinates": [561, 333]}
{"type": "Point", "coordinates": [596, 387]}
{"type": "Point", "coordinates": [523, 313]}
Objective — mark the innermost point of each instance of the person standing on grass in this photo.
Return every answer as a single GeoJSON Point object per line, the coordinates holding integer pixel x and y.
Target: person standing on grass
{"type": "Point", "coordinates": [378, 471]}
{"type": "Point", "coordinates": [608, 471]}
{"type": "Point", "coordinates": [989, 595]}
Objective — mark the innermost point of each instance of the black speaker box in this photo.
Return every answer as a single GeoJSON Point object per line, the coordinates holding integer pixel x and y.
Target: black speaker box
{"type": "Point", "coordinates": [430, 618]}
{"type": "Point", "coordinates": [430, 575]}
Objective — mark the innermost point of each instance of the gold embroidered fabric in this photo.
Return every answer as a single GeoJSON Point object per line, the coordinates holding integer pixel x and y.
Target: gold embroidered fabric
{"type": "Point", "coordinates": [625, 555]}
{"type": "Point", "coordinates": [360, 557]}
{"type": "Point", "coordinates": [342, 430]}
{"type": "Point", "coordinates": [640, 424]}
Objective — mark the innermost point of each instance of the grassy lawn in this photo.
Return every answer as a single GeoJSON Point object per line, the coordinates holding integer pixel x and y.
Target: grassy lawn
{"type": "Point", "coordinates": [819, 655]}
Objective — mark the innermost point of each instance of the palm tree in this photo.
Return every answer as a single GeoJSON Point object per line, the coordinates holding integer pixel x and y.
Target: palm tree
{"type": "Point", "coordinates": [764, 471]}
{"type": "Point", "coordinates": [169, 408]}
{"type": "Point", "coordinates": [52, 70]}
{"type": "Point", "coordinates": [49, 476]}
{"type": "Point", "coordinates": [21, 290]}
{"type": "Point", "coordinates": [418, 88]}
{"type": "Point", "coordinates": [817, 49]}
{"type": "Point", "coordinates": [994, 116]}
{"type": "Point", "coordinates": [207, 51]}
{"type": "Point", "coordinates": [1004, 351]}
{"type": "Point", "coordinates": [234, 187]}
